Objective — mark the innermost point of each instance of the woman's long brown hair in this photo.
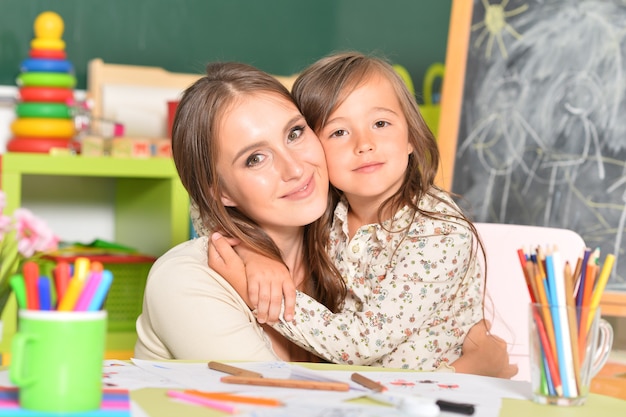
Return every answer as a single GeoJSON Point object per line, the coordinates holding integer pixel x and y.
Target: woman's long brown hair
{"type": "Point", "coordinates": [195, 152]}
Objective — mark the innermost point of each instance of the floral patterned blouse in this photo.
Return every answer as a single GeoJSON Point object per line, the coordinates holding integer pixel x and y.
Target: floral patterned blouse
{"type": "Point", "coordinates": [412, 295]}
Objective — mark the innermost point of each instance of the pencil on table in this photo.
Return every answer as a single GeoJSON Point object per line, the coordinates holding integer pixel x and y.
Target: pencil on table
{"type": "Point", "coordinates": [287, 383]}
{"type": "Point", "coordinates": [367, 383]}
{"type": "Point", "coordinates": [233, 370]}
{"type": "Point", "coordinates": [235, 398]}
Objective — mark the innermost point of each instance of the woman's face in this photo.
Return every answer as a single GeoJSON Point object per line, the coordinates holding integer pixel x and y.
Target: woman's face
{"type": "Point", "coordinates": [271, 165]}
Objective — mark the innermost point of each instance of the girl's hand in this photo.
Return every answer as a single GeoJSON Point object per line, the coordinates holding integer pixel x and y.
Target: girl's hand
{"type": "Point", "coordinates": [267, 281]}
{"type": "Point", "coordinates": [484, 354]}
{"type": "Point", "coordinates": [224, 260]}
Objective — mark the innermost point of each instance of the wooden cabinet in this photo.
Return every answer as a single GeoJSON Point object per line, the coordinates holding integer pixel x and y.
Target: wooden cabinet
{"type": "Point", "coordinates": [151, 207]}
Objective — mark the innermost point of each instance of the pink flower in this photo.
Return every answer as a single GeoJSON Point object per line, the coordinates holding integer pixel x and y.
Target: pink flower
{"type": "Point", "coordinates": [33, 235]}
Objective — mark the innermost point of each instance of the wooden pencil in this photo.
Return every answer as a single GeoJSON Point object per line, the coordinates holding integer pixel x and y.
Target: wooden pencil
{"type": "Point", "coordinates": [367, 383]}
{"type": "Point", "coordinates": [287, 383]}
{"type": "Point", "coordinates": [233, 370]}
{"type": "Point", "coordinates": [572, 321]}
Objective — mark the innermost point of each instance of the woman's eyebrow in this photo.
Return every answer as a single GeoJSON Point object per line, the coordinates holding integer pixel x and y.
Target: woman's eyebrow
{"type": "Point", "coordinates": [249, 148]}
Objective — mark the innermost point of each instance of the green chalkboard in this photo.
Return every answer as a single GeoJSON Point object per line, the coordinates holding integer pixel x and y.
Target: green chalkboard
{"type": "Point", "coordinates": [278, 36]}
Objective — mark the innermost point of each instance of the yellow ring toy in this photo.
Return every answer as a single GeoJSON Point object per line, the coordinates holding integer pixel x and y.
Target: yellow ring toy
{"type": "Point", "coordinates": [46, 79]}
{"type": "Point", "coordinates": [42, 127]}
{"type": "Point", "coordinates": [48, 43]}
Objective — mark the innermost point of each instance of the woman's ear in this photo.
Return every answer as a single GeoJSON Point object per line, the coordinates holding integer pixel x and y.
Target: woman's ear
{"type": "Point", "coordinates": [227, 201]}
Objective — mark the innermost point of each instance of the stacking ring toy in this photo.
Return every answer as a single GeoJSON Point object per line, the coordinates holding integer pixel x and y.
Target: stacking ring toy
{"type": "Point", "coordinates": [46, 65]}
{"type": "Point", "coordinates": [54, 110]}
{"type": "Point", "coordinates": [39, 127]}
{"type": "Point", "coordinates": [47, 53]}
{"type": "Point", "coordinates": [47, 43]}
{"type": "Point", "coordinates": [46, 79]}
{"type": "Point", "coordinates": [49, 94]}
{"type": "Point", "coordinates": [38, 145]}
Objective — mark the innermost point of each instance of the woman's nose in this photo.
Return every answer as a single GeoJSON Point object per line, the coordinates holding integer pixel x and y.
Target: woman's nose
{"type": "Point", "coordinates": [291, 166]}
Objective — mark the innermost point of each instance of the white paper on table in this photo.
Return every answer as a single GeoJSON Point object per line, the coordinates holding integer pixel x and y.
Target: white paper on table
{"type": "Point", "coordinates": [125, 375]}
{"type": "Point", "coordinates": [200, 377]}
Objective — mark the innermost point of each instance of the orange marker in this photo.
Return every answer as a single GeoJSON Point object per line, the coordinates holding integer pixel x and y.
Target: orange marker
{"type": "Point", "coordinates": [30, 271]}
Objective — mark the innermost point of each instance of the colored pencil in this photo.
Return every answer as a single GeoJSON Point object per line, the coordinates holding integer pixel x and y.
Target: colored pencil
{"type": "Point", "coordinates": [235, 398]}
{"type": "Point", "coordinates": [607, 269]}
{"type": "Point", "coordinates": [216, 405]}
{"type": "Point", "coordinates": [572, 321]}
{"type": "Point", "coordinates": [561, 329]}
{"type": "Point", "coordinates": [583, 273]}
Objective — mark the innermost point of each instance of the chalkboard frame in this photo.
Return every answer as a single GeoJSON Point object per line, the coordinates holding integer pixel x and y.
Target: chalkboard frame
{"type": "Point", "coordinates": [613, 303]}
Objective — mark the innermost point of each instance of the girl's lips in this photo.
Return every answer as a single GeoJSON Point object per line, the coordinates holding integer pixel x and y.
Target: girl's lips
{"type": "Point", "coordinates": [369, 167]}
{"type": "Point", "coordinates": [302, 191]}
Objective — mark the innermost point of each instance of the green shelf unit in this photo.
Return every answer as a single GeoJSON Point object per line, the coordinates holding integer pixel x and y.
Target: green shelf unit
{"type": "Point", "coordinates": [150, 205]}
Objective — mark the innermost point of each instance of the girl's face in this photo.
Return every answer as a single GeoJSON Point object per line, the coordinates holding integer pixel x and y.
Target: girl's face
{"type": "Point", "coordinates": [271, 165]}
{"type": "Point", "coordinates": [366, 141]}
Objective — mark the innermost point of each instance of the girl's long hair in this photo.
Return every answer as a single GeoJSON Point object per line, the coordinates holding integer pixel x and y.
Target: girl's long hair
{"type": "Point", "coordinates": [322, 87]}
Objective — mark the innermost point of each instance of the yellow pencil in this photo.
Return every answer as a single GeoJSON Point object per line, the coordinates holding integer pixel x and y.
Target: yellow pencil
{"type": "Point", "coordinates": [607, 268]}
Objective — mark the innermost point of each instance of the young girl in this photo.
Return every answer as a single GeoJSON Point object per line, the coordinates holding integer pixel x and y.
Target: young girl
{"type": "Point", "coordinates": [407, 253]}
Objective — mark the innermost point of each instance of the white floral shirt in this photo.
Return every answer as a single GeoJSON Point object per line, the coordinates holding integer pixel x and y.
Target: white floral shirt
{"type": "Point", "coordinates": [412, 295]}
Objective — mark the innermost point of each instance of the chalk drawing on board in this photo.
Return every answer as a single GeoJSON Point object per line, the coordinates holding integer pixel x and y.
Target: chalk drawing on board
{"type": "Point", "coordinates": [542, 135]}
{"type": "Point", "coordinates": [494, 23]}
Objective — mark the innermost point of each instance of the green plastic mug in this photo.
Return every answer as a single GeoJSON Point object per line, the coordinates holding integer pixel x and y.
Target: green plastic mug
{"type": "Point", "coordinates": [57, 358]}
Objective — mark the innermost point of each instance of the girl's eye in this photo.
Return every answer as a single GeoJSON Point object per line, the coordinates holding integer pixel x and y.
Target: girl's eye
{"type": "Point", "coordinates": [254, 160]}
{"type": "Point", "coordinates": [338, 133]}
{"type": "Point", "coordinates": [295, 133]}
{"type": "Point", "coordinates": [381, 123]}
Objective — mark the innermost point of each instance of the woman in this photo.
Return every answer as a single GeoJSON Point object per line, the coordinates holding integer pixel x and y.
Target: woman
{"type": "Point", "coordinates": [247, 158]}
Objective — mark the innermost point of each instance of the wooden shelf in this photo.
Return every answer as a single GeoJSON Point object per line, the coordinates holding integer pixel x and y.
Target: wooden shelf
{"type": "Point", "coordinates": [150, 205]}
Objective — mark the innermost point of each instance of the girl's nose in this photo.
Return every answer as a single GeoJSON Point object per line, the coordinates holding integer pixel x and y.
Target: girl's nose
{"type": "Point", "coordinates": [364, 143]}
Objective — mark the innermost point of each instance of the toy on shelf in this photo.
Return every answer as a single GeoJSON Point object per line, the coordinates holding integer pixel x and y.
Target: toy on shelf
{"type": "Point", "coordinates": [45, 92]}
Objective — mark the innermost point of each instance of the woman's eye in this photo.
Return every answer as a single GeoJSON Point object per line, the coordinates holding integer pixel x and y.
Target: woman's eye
{"type": "Point", "coordinates": [254, 160]}
{"type": "Point", "coordinates": [381, 123]}
{"type": "Point", "coordinates": [295, 133]}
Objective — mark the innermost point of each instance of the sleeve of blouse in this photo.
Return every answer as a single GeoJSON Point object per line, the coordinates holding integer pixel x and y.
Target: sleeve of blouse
{"type": "Point", "coordinates": [197, 316]}
{"type": "Point", "coordinates": [432, 285]}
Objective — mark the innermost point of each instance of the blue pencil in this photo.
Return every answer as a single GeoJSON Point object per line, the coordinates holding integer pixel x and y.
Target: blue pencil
{"type": "Point", "coordinates": [558, 335]}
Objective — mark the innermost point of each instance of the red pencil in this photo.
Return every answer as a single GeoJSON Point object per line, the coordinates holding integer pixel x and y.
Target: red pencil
{"type": "Point", "coordinates": [548, 353]}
